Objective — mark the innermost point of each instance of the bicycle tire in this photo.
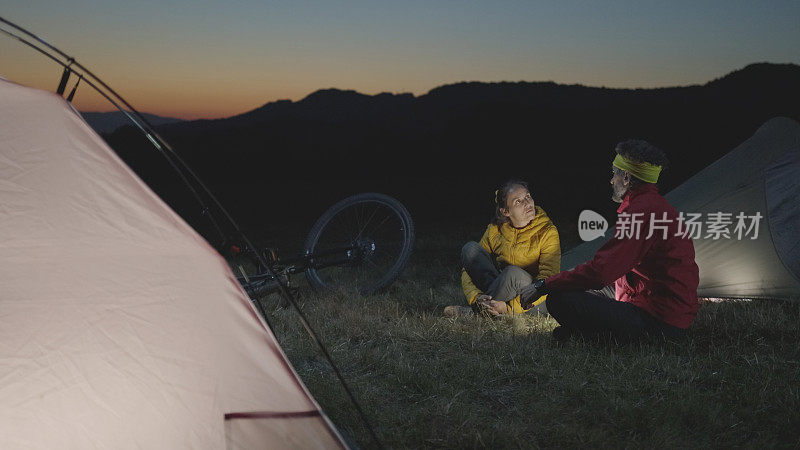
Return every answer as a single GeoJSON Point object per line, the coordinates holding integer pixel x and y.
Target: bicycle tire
{"type": "Point", "coordinates": [388, 239]}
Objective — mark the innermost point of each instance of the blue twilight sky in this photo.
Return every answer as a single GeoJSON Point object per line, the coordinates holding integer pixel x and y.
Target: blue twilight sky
{"type": "Point", "coordinates": [213, 59]}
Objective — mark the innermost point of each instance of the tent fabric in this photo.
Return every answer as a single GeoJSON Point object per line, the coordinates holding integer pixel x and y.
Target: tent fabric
{"type": "Point", "coordinates": [760, 176]}
{"type": "Point", "coordinates": [783, 191]}
{"type": "Point", "coordinates": [120, 327]}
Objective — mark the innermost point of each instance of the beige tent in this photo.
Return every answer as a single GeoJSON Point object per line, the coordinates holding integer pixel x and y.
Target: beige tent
{"type": "Point", "coordinates": [120, 327]}
{"type": "Point", "coordinates": [760, 177]}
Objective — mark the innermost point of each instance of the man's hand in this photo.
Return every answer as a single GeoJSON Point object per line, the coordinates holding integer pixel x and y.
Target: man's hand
{"type": "Point", "coordinates": [531, 293]}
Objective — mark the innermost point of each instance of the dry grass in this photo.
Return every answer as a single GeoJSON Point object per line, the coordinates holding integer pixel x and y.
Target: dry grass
{"type": "Point", "coordinates": [429, 381]}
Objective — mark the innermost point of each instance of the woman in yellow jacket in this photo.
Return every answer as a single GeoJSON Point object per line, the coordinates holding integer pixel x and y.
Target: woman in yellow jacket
{"type": "Point", "coordinates": [520, 246]}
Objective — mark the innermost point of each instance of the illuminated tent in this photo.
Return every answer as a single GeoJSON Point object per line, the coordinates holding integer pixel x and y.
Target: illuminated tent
{"type": "Point", "coordinates": [120, 327]}
{"type": "Point", "coordinates": [760, 176]}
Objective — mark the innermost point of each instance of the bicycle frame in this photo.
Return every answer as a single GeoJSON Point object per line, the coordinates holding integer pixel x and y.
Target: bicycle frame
{"type": "Point", "coordinates": [264, 282]}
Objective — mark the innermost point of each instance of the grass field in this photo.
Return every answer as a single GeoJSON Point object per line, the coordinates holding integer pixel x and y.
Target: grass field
{"type": "Point", "coordinates": [426, 381]}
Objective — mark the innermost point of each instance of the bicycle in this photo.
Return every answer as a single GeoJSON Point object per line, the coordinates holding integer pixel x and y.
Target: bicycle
{"type": "Point", "coordinates": [364, 242]}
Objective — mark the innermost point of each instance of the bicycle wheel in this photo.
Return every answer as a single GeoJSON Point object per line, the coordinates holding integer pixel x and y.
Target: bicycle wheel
{"type": "Point", "coordinates": [379, 233]}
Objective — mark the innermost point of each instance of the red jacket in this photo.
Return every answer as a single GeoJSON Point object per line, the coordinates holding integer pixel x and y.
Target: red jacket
{"type": "Point", "coordinates": [656, 273]}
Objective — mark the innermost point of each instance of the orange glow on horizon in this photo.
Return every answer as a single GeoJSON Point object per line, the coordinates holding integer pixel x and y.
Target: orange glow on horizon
{"type": "Point", "coordinates": [209, 60]}
{"type": "Point", "coordinates": [188, 87]}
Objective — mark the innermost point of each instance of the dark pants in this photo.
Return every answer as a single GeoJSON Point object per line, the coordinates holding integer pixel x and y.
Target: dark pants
{"type": "Point", "coordinates": [597, 314]}
{"type": "Point", "coordinates": [502, 285]}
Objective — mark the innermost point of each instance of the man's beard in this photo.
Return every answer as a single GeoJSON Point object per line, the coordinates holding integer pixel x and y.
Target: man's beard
{"type": "Point", "coordinates": [618, 193]}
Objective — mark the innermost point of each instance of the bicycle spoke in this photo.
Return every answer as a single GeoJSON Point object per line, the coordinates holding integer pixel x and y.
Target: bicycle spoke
{"type": "Point", "coordinates": [377, 227]}
{"type": "Point", "coordinates": [367, 223]}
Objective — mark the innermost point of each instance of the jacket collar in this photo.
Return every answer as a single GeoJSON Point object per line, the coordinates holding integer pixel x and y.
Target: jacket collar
{"type": "Point", "coordinates": [540, 220]}
{"type": "Point", "coordinates": [634, 192]}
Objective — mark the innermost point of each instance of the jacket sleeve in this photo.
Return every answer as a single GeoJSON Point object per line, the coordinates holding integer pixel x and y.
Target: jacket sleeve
{"type": "Point", "coordinates": [550, 254]}
{"type": "Point", "coordinates": [470, 290]}
{"type": "Point", "coordinates": [549, 264]}
{"type": "Point", "coordinates": [613, 260]}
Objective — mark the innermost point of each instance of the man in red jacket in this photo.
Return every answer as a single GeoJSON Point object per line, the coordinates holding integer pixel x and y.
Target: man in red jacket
{"type": "Point", "coordinates": [650, 261]}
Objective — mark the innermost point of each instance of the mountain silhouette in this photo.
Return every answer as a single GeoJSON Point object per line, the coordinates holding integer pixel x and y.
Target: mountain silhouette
{"type": "Point", "coordinates": [443, 153]}
{"type": "Point", "coordinates": [108, 122]}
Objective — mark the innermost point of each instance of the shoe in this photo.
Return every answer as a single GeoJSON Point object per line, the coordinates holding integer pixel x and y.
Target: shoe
{"type": "Point", "coordinates": [562, 334]}
{"type": "Point", "coordinates": [454, 310]}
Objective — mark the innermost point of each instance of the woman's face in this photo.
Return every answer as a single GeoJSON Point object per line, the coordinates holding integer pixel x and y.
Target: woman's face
{"type": "Point", "coordinates": [520, 208]}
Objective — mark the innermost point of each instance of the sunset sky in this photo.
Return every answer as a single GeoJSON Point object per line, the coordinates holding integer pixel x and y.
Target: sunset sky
{"type": "Point", "coordinates": [198, 58]}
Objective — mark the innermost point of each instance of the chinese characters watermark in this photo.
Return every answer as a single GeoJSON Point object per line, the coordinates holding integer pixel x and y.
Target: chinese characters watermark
{"type": "Point", "coordinates": [717, 225]}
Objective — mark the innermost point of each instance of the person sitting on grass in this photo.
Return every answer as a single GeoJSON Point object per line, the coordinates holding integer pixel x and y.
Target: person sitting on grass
{"type": "Point", "coordinates": [519, 246]}
{"type": "Point", "coordinates": [650, 261]}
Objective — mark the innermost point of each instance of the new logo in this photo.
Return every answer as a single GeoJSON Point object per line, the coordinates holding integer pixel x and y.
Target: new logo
{"type": "Point", "coordinates": [591, 225]}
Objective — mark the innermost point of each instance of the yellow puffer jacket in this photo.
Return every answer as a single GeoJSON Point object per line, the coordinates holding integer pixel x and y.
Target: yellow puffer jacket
{"type": "Point", "coordinates": [535, 248]}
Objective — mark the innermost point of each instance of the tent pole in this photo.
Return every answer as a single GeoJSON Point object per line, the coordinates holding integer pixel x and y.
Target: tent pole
{"type": "Point", "coordinates": [179, 165]}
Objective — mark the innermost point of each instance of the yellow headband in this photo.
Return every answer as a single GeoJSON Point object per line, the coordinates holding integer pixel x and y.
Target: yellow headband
{"type": "Point", "coordinates": [641, 170]}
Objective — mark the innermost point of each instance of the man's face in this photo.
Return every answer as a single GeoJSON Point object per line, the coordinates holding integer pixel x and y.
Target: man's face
{"type": "Point", "coordinates": [620, 182]}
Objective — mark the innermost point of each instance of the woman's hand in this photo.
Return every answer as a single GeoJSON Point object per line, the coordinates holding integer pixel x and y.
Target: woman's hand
{"type": "Point", "coordinates": [480, 298]}
{"type": "Point", "coordinates": [489, 306]}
